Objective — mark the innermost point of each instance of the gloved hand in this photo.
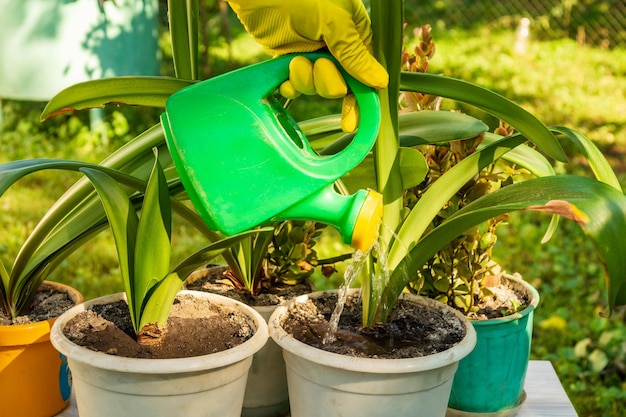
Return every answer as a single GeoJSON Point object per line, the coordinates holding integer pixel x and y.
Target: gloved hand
{"type": "Point", "coordinates": [288, 26]}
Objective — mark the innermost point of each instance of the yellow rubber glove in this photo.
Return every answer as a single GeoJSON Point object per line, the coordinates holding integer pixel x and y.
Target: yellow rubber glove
{"type": "Point", "coordinates": [343, 26]}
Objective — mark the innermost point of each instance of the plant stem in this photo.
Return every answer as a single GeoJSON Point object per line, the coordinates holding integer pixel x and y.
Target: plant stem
{"type": "Point", "coordinates": [387, 23]}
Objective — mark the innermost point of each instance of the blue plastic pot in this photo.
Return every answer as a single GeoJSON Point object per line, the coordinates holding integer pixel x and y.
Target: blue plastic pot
{"type": "Point", "coordinates": [491, 378]}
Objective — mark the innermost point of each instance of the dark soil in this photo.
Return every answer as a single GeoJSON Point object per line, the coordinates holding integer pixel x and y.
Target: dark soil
{"type": "Point", "coordinates": [195, 327]}
{"type": "Point", "coordinates": [49, 302]}
{"type": "Point", "coordinates": [213, 280]}
{"type": "Point", "coordinates": [413, 331]}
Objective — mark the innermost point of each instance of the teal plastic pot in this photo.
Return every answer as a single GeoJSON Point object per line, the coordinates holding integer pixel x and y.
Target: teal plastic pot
{"type": "Point", "coordinates": [491, 378]}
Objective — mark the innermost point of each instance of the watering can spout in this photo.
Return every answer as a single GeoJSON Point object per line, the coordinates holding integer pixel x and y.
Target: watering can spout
{"type": "Point", "coordinates": [368, 222]}
{"type": "Point", "coordinates": [244, 161]}
{"type": "Point", "coordinates": [357, 217]}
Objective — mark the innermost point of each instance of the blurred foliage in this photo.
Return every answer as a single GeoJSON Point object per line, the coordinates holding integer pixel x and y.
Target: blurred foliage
{"type": "Point", "coordinates": [564, 83]}
{"type": "Point", "coordinates": [596, 22]}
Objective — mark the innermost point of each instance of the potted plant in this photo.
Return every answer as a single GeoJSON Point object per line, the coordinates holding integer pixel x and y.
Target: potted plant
{"type": "Point", "coordinates": [414, 241]}
{"type": "Point", "coordinates": [500, 306]}
{"type": "Point", "coordinates": [405, 244]}
{"type": "Point", "coordinates": [265, 270]}
{"type": "Point", "coordinates": [151, 288]}
{"type": "Point", "coordinates": [31, 366]}
{"type": "Point", "coordinates": [78, 214]}
{"type": "Point", "coordinates": [32, 369]}
{"type": "Point", "coordinates": [463, 273]}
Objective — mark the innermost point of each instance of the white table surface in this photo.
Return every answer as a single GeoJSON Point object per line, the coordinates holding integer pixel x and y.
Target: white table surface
{"type": "Point", "coordinates": [545, 397]}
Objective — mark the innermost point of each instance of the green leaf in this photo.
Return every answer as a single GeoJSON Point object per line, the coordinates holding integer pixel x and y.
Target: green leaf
{"type": "Point", "coordinates": [413, 167]}
{"type": "Point", "coordinates": [596, 159]}
{"type": "Point", "coordinates": [428, 127]}
{"type": "Point", "coordinates": [124, 224]}
{"type": "Point", "coordinates": [387, 25]}
{"type": "Point", "coordinates": [4, 291]}
{"type": "Point", "coordinates": [462, 302]}
{"type": "Point", "coordinates": [158, 301]}
{"type": "Point", "coordinates": [322, 124]}
{"type": "Point", "coordinates": [183, 19]}
{"type": "Point", "coordinates": [501, 107]}
{"type": "Point", "coordinates": [153, 241]}
{"type": "Point", "coordinates": [242, 255]}
{"type": "Point", "coordinates": [441, 285]}
{"type": "Point", "coordinates": [262, 240]}
{"type": "Point", "coordinates": [13, 171]}
{"type": "Point", "coordinates": [597, 207]}
{"type": "Point", "coordinates": [206, 254]}
{"type": "Point", "coordinates": [135, 90]}
{"type": "Point", "coordinates": [429, 205]}
{"type": "Point", "coordinates": [416, 128]}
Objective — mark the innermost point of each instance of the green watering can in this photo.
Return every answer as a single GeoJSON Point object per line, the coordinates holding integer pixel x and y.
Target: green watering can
{"type": "Point", "coordinates": [244, 161]}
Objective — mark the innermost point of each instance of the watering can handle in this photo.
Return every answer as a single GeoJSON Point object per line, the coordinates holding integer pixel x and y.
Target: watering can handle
{"type": "Point", "coordinates": [339, 164]}
{"type": "Point", "coordinates": [251, 83]}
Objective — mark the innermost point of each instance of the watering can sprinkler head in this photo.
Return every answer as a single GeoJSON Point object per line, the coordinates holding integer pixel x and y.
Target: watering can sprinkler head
{"type": "Point", "coordinates": [367, 225]}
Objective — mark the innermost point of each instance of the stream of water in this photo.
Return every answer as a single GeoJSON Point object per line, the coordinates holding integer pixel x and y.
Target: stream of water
{"type": "Point", "coordinates": [352, 271]}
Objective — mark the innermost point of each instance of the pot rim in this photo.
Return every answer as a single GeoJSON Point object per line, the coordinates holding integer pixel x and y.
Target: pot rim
{"type": "Point", "coordinates": [373, 365]}
{"type": "Point", "coordinates": [159, 366]}
{"type": "Point", "coordinates": [534, 302]}
{"type": "Point", "coordinates": [36, 332]}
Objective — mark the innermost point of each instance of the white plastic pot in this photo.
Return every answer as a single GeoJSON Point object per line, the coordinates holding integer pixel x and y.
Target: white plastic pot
{"type": "Point", "coordinates": [201, 386]}
{"type": "Point", "coordinates": [328, 384]}
{"type": "Point", "coordinates": [266, 390]}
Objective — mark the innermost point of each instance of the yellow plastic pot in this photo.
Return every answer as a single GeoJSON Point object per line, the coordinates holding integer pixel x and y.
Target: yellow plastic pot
{"type": "Point", "coordinates": [34, 377]}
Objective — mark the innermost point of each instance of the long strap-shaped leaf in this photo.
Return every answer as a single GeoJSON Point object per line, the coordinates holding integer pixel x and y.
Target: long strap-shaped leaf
{"type": "Point", "coordinates": [124, 224]}
{"type": "Point", "coordinates": [491, 102]}
{"type": "Point", "coordinates": [387, 21]}
{"type": "Point", "coordinates": [183, 18]}
{"type": "Point", "coordinates": [421, 128]}
{"type": "Point", "coordinates": [596, 159]}
{"type": "Point", "coordinates": [597, 207]}
{"type": "Point", "coordinates": [153, 241]}
{"type": "Point", "coordinates": [159, 300]}
{"type": "Point", "coordinates": [131, 90]}
{"type": "Point", "coordinates": [5, 302]}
